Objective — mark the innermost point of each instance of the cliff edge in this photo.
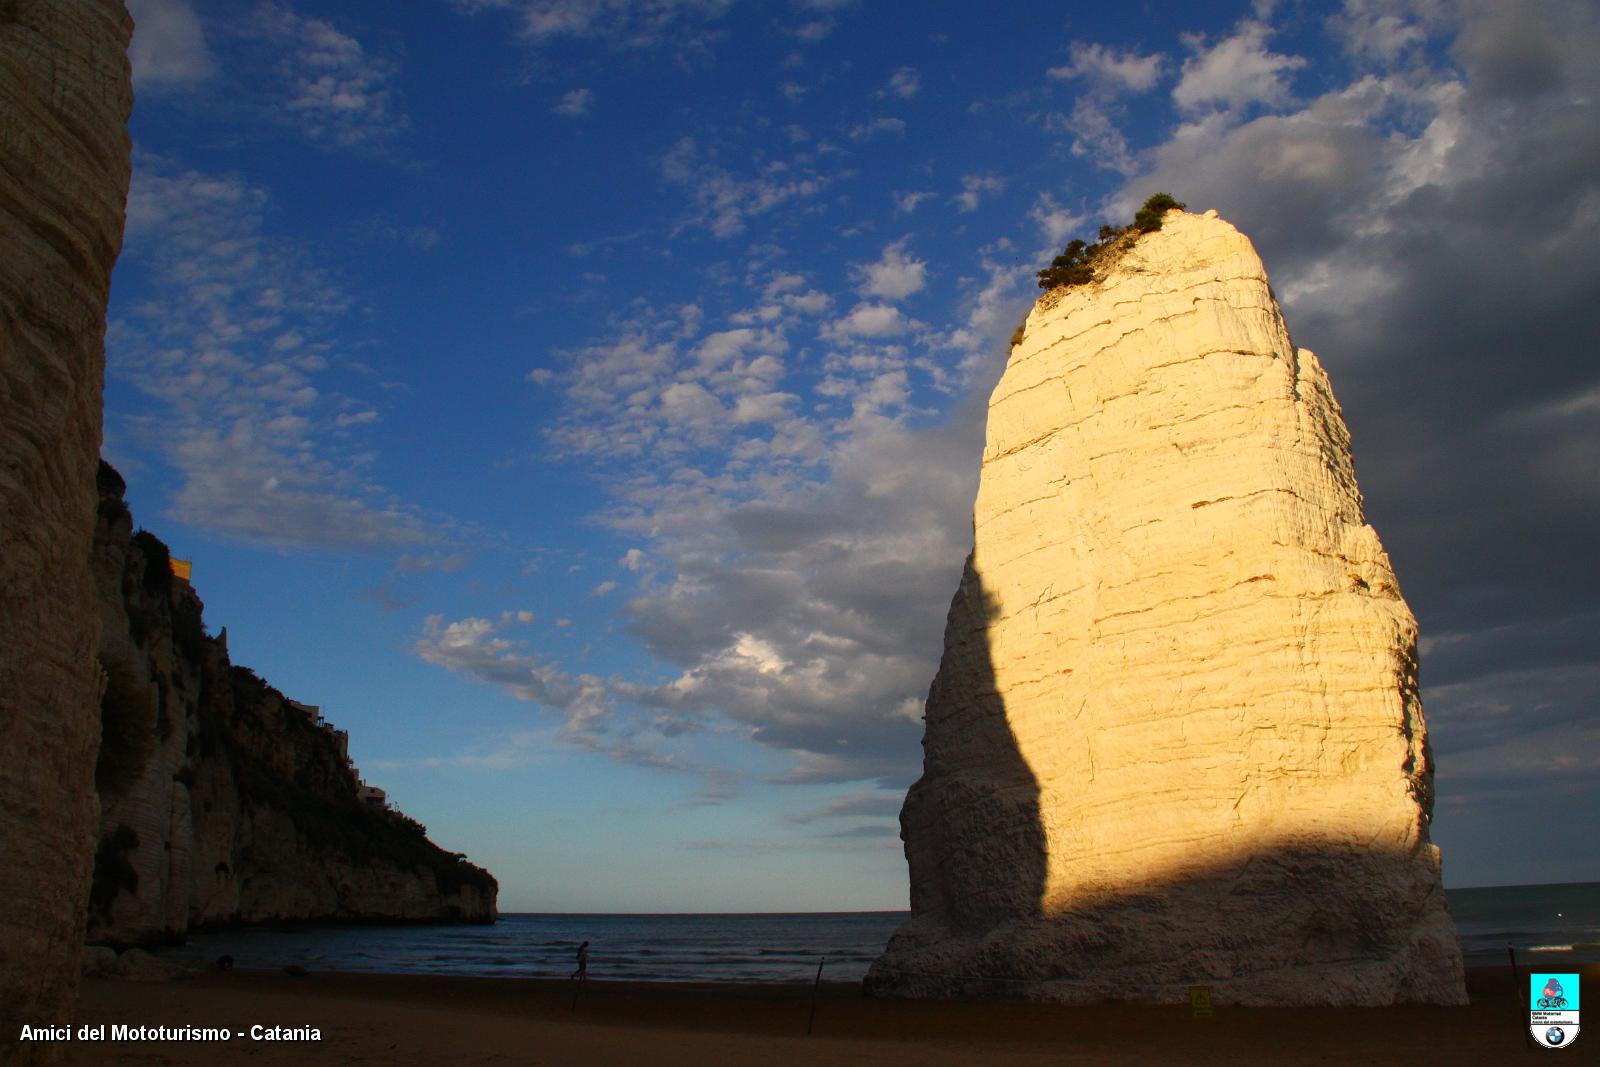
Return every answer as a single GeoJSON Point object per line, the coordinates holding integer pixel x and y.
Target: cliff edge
{"type": "Point", "coordinates": [223, 802]}
{"type": "Point", "coordinates": [1175, 737]}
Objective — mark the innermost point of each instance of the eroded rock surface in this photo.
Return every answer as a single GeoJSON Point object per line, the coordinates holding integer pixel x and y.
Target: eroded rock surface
{"type": "Point", "coordinates": [65, 96]}
{"type": "Point", "coordinates": [1175, 738]}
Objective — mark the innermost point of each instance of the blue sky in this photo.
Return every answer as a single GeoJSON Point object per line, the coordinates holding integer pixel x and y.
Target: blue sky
{"type": "Point", "coordinates": [582, 400]}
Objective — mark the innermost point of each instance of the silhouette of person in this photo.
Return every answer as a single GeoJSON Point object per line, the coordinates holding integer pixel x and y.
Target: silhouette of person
{"type": "Point", "coordinates": [582, 973]}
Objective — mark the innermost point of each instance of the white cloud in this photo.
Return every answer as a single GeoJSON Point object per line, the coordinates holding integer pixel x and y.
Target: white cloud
{"type": "Point", "coordinates": [810, 302]}
{"type": "Point", "coordinates": [864, 131]}
{"type": "Point", "coordinates": [813, 31]}
{"type": "Point", "coordinates": [169, 45]}
{"type": "Point", "coordinates": [725, 202]}
{"type": "Point", "coordinates": [973, 186]}
{"type": "Point", "coordinates": [575, 104]}
{"type": "Point", "coordinates": [326, 83]}
{"type": "Point", "coordinates": [1093, 121]}
{"type": "Point", "coordinates": [1095, 135]}
{"type": "Point", "coordinates": [871, 320]}
{"type": "Point", "coordinates": [659, 390]}
{"type": "Point", "coordinates": [1055, 222]}
{"type": "Point", "coordinates": [796, 542]}
{"type": "Point", "coordinates": [1583, 402]}
{"type": "Point", "coordinates": [819, 23]}
{"type": "Point", "coordinates": [858, 805]}
{"type": "Point", "coordinates": [690, 406]}
{"type": "Point", "coordinates": [723, 347]}
{"type": "Point", "coordinates": [763, 408]}
{"type": "Point", "coordinates": [906, 203]}
{"type": "Point", "coordinates": [634, 24]}
{"type": "Point", "coordinates": [605, 588]}
{"type": "Point", "coordinates": [1377, 30]}
{"type": "Point", "coordinates": [820, 660]}
{"type": "Point", "coordinates": [895, 276]}
{"type": "Point", "coordinates": [904, 83]}
{"type": "Point", "coordinates": [232, 347]}
{"type": "Point", "coordinates": [1235, 72]}
{"type": "Point", "coordinates": [1110, 69]}
{"type": "Point", "coordinates": [993, 304]}
{"type": "Point", "coordinates": [591, 708]}
{"type": "Point", "coordinates": [473, 646]}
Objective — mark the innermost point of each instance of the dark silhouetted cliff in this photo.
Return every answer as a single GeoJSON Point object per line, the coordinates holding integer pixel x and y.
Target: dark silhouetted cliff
{"type": "Point", "coordinates": [221, 801]}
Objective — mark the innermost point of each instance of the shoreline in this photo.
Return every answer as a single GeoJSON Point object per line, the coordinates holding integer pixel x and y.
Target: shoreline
{"type": "Point", "coordinates": [401, 1019]}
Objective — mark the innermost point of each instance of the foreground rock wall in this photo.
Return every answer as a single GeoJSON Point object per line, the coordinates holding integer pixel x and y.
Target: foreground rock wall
{"type": "Point", "coordinates": [222, 803]}
{"type": "Point", "coordinates": [1175, 737]}
{"type": "Point", "coordinates": [65, 96]}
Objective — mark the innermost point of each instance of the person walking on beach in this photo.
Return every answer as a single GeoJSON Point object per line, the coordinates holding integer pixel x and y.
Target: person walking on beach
{"type": "Point", "coordinates": [582, 973]}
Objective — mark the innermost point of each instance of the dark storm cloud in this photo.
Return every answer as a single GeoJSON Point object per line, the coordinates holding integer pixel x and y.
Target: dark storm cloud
{"type": "Point", "coordinates": [816, 623]}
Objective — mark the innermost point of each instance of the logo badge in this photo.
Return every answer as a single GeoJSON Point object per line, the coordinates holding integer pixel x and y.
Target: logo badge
{"type": "Point", "coordinates": [1553, 1009]}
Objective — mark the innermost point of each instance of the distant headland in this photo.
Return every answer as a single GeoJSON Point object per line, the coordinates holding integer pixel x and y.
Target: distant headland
{"type": "Point", "coordinates": [222, 801]}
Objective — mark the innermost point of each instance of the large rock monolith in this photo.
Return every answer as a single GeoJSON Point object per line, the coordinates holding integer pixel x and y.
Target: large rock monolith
{"type": "Point", "coordinates": [65, 96]}
{"type": "Point", "coordinates": [1175, 738]}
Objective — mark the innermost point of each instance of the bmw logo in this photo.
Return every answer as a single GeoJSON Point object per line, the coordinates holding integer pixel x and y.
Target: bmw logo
{"type": "Point", "coordinates": [1555, 1035]}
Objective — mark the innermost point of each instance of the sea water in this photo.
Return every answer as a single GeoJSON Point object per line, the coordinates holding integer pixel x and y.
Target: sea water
{"type": "Point", "coordinates": [1548, 925]}
{"type": "Point", "coordinates": [647, 948]}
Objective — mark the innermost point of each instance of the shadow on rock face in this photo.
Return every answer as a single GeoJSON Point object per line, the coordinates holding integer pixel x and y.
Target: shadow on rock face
{"type": "Point", "coordinates": [1261, 919]}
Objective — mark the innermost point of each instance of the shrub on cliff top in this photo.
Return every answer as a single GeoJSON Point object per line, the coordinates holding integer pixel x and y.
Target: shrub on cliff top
{"type": "Point", "coordinates": [1076, 264]}
{"type": "Point", "coordinates": [1148, 218]}
{"type": "Point", "coordinates": [281, 762]}
{"type": "Point", "coordinates": [323, 806]}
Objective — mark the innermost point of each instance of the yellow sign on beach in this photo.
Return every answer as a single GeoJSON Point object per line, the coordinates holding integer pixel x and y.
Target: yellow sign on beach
{"type": "Point", "coordinates": [1200, 1002]}
{"type": "Point", "coordinates": [181, 568]}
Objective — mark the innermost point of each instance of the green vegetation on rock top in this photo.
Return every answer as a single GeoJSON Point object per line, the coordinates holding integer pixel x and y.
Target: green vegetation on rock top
{"type": "Point", "coordinates": [1076, 264]}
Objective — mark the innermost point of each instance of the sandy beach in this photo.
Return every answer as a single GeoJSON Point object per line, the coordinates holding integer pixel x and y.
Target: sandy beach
{"type": "Point", "coordinates": [383, 1019]}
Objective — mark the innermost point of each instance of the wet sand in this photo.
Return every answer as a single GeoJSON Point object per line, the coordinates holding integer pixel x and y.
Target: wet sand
{"type": "Point", "coordinates": [385, 1019]}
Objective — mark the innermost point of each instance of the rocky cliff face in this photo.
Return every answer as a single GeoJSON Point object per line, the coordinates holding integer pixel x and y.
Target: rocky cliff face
{"type": "Point", "coordinates": [65, 95]}
{"type": "Point", "coordinates": [220, 801]}
{"type": "Point", "coordinates": [1175, 738]}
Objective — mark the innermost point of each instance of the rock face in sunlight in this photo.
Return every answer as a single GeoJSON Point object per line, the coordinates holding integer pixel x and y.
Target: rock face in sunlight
{"type": "Point", "coordinates": [65, 95]}
{"type": "Point", "coordinates": [1175, 738]}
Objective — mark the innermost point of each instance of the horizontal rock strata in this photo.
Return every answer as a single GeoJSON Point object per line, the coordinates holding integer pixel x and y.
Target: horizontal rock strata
{"type": "Point", "coordinates": [65, 95]}
{"type": "Point", "coordinates": [1175, 738]}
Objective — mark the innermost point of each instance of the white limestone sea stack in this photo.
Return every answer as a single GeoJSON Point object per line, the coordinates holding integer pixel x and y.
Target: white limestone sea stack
{"type": "Point", "coordinates": [1175, 738]}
